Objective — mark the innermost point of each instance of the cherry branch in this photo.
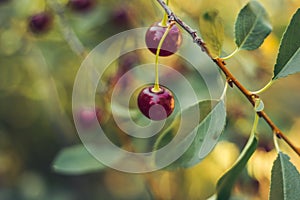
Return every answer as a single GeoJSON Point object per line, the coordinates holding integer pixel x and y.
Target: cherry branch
{"type": "Point", "coordinates": [229, 76]}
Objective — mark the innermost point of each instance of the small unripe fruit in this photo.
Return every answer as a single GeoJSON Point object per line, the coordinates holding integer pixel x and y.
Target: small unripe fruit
{"type": "Point", "coordinates": [171, 43]}
{"type": "Point", "coordinates": [40, 22]}
{"type": "Point", "coordinates": [156, 105]}
{"type": "Point", "coordinates": [81, 5]}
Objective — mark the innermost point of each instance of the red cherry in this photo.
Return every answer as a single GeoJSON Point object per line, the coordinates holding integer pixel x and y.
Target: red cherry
{"type": "Point", "coordinates": [81, 5]}
{"type": "Point", "coordinates": [40, 22]}
{"type": "Point", "coordinates": [3, 1]}
{"type": "Point", "coordinates": [171, 43]}
{"type": "Point", "coordinates": [121, 16]}
{"type": "Point", "coordinates": [156, 105]}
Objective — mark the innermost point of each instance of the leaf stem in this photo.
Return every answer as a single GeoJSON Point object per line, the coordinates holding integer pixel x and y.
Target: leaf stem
{"type": "Point", "coordinates": [230, 77]}
{"type": "Point", "coordinates": [156, 87]}
{"type": "Point", "coordinates": [224, 91]}
{"type": "Point", "coordinates": [255, 123]}
{"type": "Point", "coordinates": [276, 143]}
{"type": "Point", "coordinates": [264, 88]}
{"type": "Point", "coordinates": [232, 54]}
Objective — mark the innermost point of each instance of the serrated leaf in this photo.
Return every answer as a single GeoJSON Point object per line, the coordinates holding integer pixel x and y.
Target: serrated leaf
{"type": "Point", "coordinates": [252, 26]}
{"type": "Point", "coordinates": [205, 134]}
{"type": "Point", "coordinates": [226, 182]}
{"type": "Point", "coordinates": [288, 58]}
{"type": "Point", "coordinates": [212, 31]}
{"type": "Point", "coordinates": [76, 160]}
{"type": "Point", "coordinates": [285, 180]}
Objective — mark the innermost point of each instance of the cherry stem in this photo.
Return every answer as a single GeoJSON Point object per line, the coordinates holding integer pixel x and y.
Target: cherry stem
{"type": "Point", "coordinates": [156, 87]}
{"type": "Point", "coordinates": [165, 18]}
{"type": "Point", "coordinates": [229, 76]}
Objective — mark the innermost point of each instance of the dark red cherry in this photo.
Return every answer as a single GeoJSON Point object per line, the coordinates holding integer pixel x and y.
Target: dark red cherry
{"type": "Point", "coordinates": [40, 22]}
{"type": "Point", "coordinates": [171, 43]}
{"type": "Point", "coordinates": [3, 1]}
{"type": "Point", "coordinates": [81, 5]}
{"type": "Point", "coordinates": [121, 16]}
{"type": "Point", "coordinates": [156, 105]}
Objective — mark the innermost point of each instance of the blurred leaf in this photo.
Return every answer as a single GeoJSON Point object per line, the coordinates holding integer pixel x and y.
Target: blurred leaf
{"type": "Point", "coordinates": [205, 135]}
{"type": "Point", "coordinates": [76, 160]}
{"type": "Point", "coordinates": [289, 52]}
{"type": "Point", "coordinates": [226, 182]}
{"type": "Point", "coordinates": [252, 26]}
{"type": "Point", "coordinates": [285, 180]}
{"type": "Point", "coordinates": [122, 111]}
{"type": "Point", "coordinates": [212, 31]}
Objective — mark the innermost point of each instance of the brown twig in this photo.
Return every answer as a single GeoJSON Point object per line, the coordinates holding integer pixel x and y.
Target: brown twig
{"type": "Point", "coordinates": [230, 77]}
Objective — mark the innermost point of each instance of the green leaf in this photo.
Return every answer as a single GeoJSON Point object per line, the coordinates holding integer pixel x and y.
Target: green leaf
{"type": "Point", "coordinates": [212, 31]}
{"type": "Point", "coordinates": [76, 160]}
{"type": "Point", "coordinates": [252, 26]}
{"type": "Point", "coordinates": [288, 58]}
{"type": "Point", "coordinates": [205, 133]}
{"type": "Point", "coordinates": [226, 182]}
{"type": "Point", "coordinates": [285, 180]}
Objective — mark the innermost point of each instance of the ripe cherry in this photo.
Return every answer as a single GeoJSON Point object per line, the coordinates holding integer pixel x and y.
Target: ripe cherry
{"type": "Point", "coordinates": [121, 16]}
{"type": "Point", "coordinates": [40, 22]}
{"type": "Point", "coordinates": [81, 5]}
{"type": "Point", "coordinates": [156, 105]}
{"type": "Point", "coordinates": [171, 43]}
{"type": "Point", "coordinates": [3, 1]}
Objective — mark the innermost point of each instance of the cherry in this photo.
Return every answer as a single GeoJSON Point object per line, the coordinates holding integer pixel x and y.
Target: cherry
{"type": "Point", "coordinates": [40, 22]}
{"type": "Point", "coordinates": [156, 105]}
{"type": "Point", "coordinates": [171, 43]}
{"type": "Point", "coordinates": [121, 16]}
{"type": "Point", "coordinates": [3, 1]}
{"type": "Point", "coordinates": [81, 5]}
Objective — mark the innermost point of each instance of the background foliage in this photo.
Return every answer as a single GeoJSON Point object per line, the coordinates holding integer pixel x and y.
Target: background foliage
{"type": "Point", "coordinates": [36, 79]}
